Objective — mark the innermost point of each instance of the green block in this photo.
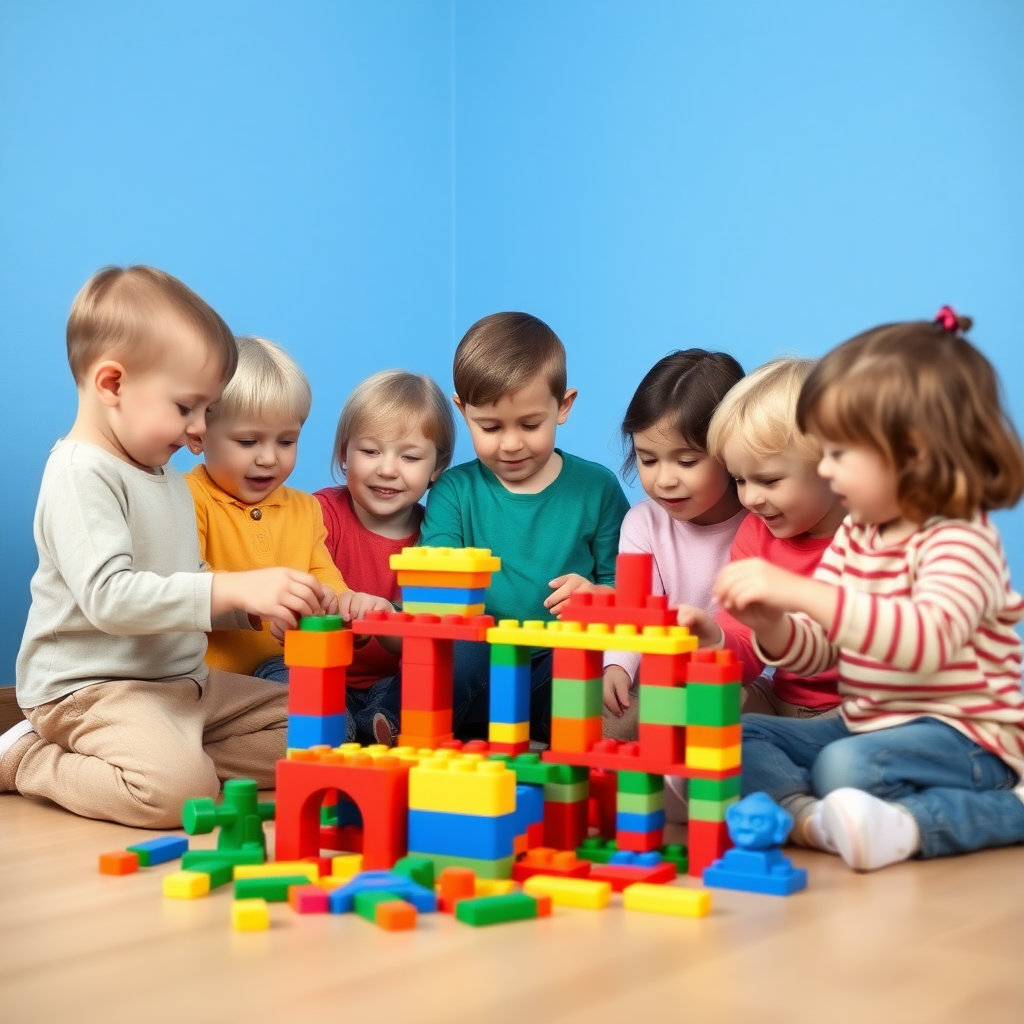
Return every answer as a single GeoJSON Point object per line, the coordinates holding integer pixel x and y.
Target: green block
{"type": "Point", "coordinates": [506, 654]}
{"type": "Point", "coordinates": [713, 703]}
{"type": "Point", "coordinates": [529, 769]}
{"type": "Point", "coordinates": [709, 810]}
{"type": "Point", "coordinates": [676, 853]}
{"type": "Point", "coordinates": [515, 906]}
{"type": "Point", "coordinates": [566, 774]}
{"type": "Point", "coordinates": [220, 873]}
{"type": "Point", "coordinates": [597, 850]}
{"type": "Point", "coordinates": [252, 855]}
{"type": "Point", "coordinates": [641, 782]}
{"type": "Point", "coordinates": [562, 793]}
{"type": "Point", "coordinates": [321, 623]}
{"type": "Point", "coordinates": [715, 789]}
{"type": "Point", "coordinates": [273, 889]}
{"type": "Point", "coordinates": [663, 705]}
{"type": "Point", "coordinates": [365, 903]}
{"type": "Point", "coordinates": [576, 698]}
{"type": "Point", "coordinates": [484, 868]}
{"type": "Point", "coordinates": [640, 803]}
{"type": "Point", "coordinates": [418, 869]}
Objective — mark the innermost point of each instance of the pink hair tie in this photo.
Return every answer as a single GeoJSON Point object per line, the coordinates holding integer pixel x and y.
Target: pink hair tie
{"type": "Point", "coordinates": [948, 320]}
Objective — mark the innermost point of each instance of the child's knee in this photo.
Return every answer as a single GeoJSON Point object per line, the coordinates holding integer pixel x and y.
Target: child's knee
{"type": "Point", "coordinates": [160, 804]}
{"type": "Point", "coordinates": [841, 763]}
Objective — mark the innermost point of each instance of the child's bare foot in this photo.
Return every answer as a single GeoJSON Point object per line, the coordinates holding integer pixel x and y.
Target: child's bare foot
{"type": "Point", "coordinates": [13, 745]}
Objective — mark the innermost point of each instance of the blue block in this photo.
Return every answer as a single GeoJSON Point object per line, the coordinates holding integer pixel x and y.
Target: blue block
{"type": "Point", "coordinates": [529, 807]}
{"type": "Point", "coordinates": [306, 731]}
{"type": "Point", "coordinates": [510, 693]}
{"type": "Point", "coordinates": [462, 835]}
{"type": "Point", "coordinates": [159, 851]}
{"type": "Point", "coordinates": [444, 595]}
{"type": "Point", "coordinates": [629, 858]}
{"type": "Point", "coordinates": [766, 871]}
{"type": "Point", "coordinates": [627, 822]}
{"type": "Point", "coordinates": [342, 899]}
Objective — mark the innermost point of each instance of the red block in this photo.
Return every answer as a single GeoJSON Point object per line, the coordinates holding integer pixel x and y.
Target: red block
{"type": "Point", "coordinates": [663, 669]}
{"type": "Point", "coordinates": [569, 664]}
{"type": "Point", "coordinates": [426, 687]}
{"type": "Point", "coordinates": [640, 842]}
{"type": "Point", "coordinates": [430, 627]}
{"type": "Point", "coordinates": [546, 861]}
{"type": "Point", "coordinates": [511, 748]}
{"type": "Point", "coordinates": [714, 667]}
{"type": "Point", "coordinates": [621, 875]}
{"type": "Point", "coordinates": [535, 835]}
{"type": "Point", "coordinates": [455, 884]}
{"type": "Point", "coordinates": [309, 899]}
{"type": "Point", "coordinates": [603, 789]}
{"type": "Point", "coordinates": [665, 743]}
{"type": "Point", "coordinates": [613, 756]}
{"type": "Point", "coordinates": [708, 840]}
{"type": "Point", "coordinates": [633, 574]}
{"type": "Point", "coordinates": [565, 825]}
{"type": "Point", "coordinates": [316, 691]}
{"type": "Point", "coordinates": [422, 651]}
{"type": "Point", "coordinates": [344, 839]}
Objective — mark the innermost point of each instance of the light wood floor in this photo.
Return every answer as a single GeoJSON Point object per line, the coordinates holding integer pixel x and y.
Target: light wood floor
{"type": "Point", "coordinates": [922, 942]}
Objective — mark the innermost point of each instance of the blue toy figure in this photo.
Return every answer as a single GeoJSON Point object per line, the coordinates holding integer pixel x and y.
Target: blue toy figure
{"type": "Point", "coordinates": [758, 826]}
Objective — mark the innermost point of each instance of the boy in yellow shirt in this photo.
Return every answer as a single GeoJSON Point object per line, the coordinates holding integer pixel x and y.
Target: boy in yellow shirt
{"type": "Point", "coordinates": [246, 517]}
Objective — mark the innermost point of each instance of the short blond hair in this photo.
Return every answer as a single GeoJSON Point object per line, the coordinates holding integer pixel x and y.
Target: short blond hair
{"type": "Point", "coordinates": [267, 382]}
{"type": "Point", "coordinates": [391, 403]}
{"type": "Point", "coordinates": [760, 413]}
{"type": "Point", "coordinates": [119, 313]}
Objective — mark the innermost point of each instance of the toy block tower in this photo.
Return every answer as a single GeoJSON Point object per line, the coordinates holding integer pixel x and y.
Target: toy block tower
{"type": "Point", "coordinates": [567, 808]}
{"type": "Point", "coordinates": [462, 813]}
{"type": "Point", "coordinates": [640, 811]}
{"type": "Point", "coordinates": [509, 716]}
{"type": "Point", "coordinates": [444, 581]}
{"type": "Point", "coordinates": [317, 654]}
{"type": "Point", "coordinates": [576, 699]}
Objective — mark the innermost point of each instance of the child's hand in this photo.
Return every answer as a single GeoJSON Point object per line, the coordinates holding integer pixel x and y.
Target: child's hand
{"type": "Point", "coordinates": [354, 605]}
{"type": "Point", "coordinates": [700, 624]}
{"type": "Point", "coordinates": [329, 605]}
{"type": "Point", "coordinates": [616, 689]}
{"type": "Point", "coordinates": [755, 592]}
{"type": "Point", "coordinates": [281, 595]}
{"type": "Point", "coordinates": [564, 586]}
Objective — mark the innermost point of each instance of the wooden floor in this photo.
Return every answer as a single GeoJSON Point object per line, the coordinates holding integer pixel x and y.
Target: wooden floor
{"type": "Point", "coordinates": [921, 942]}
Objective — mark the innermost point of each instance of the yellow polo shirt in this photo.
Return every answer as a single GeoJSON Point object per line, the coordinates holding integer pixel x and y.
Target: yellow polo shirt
{"type": "Point", "coordinates": [286, 529]}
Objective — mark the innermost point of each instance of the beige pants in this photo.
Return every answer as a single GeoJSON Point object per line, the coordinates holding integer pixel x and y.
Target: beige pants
{"type": "Point", "coordinates": [133, 752]}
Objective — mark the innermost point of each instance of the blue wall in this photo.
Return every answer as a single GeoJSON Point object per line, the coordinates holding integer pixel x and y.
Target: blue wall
{"type": "Point", "coordinates": [362, 180]}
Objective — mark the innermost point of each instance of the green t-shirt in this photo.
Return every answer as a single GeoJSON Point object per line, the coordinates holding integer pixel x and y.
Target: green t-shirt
{"type": "Point", "coordinates": [570, 526]}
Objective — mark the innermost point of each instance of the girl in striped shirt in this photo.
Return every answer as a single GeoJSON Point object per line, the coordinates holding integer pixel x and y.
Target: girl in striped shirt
{"type": "Point", "coordinates": [912, 604]}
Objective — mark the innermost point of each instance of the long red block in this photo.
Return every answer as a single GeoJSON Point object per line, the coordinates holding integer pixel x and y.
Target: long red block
{"type": "Point", "coordinates": [621, 875]}
{"type": "Point", "coordinates": [714, 667]}
{"type": "Point", "coordinates": [640, 842]}
{"type": "Point", "coordinates": [569, 664]}
{"type": "Point", "coordinates": [603, 790]}
{"type": "Point", "coordinates": [546, 861]}
{"type": "Point", "coordinates": [316, 691]}
{"type": "Point", "coordinates": [429, 627]}
{"type": "Point", "coordinates": [663, 669]}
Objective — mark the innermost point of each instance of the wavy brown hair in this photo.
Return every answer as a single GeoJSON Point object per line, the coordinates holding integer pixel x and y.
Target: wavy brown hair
{"type": "Point", "coordinates": [928, 401]}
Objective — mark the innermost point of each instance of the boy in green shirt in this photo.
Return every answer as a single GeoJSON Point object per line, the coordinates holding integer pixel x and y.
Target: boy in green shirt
{"type": "Point", "coordinates": [543, 512]}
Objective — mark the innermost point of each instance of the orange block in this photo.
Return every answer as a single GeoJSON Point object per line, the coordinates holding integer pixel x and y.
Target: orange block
{"type": "Point", "coordinates": [120, 862]}
{"type": "Point", "coordinates": [575, 735]}
{"type": "Point", "coordinates": [718, 737]}
{"type": "Point", "coordinates": [467, 580]}
{"type": "Point", "coordinates": [455, 884]}
{"type": "Point", "coordinates": [308, 649]}
{"type": "Point", "coordinates": [395, 916]}
{"type": "Point", "coordinates": [426, 723]}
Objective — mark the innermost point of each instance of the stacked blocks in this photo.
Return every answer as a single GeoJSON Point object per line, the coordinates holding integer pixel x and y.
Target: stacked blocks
{"type": "Point", "coordinates": [576, 699]}
{"type": "Point", "coordinates": [444, 581]}
{"type": "Point", "coordinates": [462, 813]}
{"type": "Point", "coordinates": [640, 812]}
{"type": "Point", "coordinates": [566, 807]}
{"type": "Point", "coordinates": [510, 699]}
{"type": "Point", "coordinates": [426, 693]}
{"type": "Point", "coordinates": [317, 654]}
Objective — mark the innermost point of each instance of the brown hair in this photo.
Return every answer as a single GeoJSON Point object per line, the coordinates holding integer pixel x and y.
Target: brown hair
{"type": "Point", "coordinates": [393, 402]}
{"type": "Point", "coordinates": [501, 354]}
{"type": "Point", "coordinates": [119, 312]}
{"type": "Point", "coordinates": [928, 402]}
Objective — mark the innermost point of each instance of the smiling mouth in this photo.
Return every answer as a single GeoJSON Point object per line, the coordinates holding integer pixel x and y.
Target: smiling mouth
{"type": "Point", "coordinates": [259, 481]}
{"type": "Point", "coordinates": [384, 492]}
{"type": "Point", "coordinates": [673, 501]}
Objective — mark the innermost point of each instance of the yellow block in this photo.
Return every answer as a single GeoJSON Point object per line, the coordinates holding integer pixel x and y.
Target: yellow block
{"type": "Point", "coordinates": [597, 636]}
{"type": "Point", "coordinates": [446, 560]}
{"type": "Point", "coordinates": [570, 892]}
{"type": "Point", "coordinates": [462, 785]}
{"type": "Point", "coordinates": [666, 899]}
{"type": "Point", "coordinates": [504, 732]}
{"type": "Point", "coordinates": [330, 882]}
{"type": "Point", "coordinates": [715, 758]}
{"type": "Point", "coordinates": [250, 915]}
{"type": "Point", "coordinates": [494, 886]}
{"type": "Point", "coordinates": [347, 865]}
{"type": "Point", "coordinates": [276, 869]}
{"type": "Point", "coordinates": [186, 885]}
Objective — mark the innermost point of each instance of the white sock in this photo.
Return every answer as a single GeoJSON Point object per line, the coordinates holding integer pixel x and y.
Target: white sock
{"type": "Point", "coordinates": [808, 831]}
{"type": "Point", "coordinates": [868, 832]}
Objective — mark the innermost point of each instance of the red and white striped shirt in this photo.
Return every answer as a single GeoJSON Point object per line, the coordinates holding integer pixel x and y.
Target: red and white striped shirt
{"type": "Point", "coordinates": [922, 628]}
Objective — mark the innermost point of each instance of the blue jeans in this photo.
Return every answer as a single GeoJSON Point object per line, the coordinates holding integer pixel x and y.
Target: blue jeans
{"type": "Point", "coordinates": [960, 795]}
{"type": "Point", "coordinates": [384, 696]}
{"type": "Point", "coordinates": [471, 697]}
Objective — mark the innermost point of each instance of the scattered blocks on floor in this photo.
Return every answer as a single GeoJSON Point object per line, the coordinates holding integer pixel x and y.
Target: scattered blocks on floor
{"type": "Point", "coordinates": [159, 851]}
{"type": "Point", "coordinates": [119, 862]}
{"type": "Point", "coordinates": [308, 899]}
{"type": "Point", "coordinates": [515, 906]}
{"type": "Point", "coordinates": [250, 915]}
{"type": "Point", "coordinates": [186, 885]}
{"type": "Point", "coordinates": [570, 892]}
{"type": "Point", "coordinates": [664, 899]}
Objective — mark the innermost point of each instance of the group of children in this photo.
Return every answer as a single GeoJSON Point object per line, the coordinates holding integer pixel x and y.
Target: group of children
{"type": "Point", "coordinates": [827, 521]}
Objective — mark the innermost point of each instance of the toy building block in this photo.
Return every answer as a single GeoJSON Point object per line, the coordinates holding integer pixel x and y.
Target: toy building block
{"type": "Point", "coordinates": [250, 915]}
{"type": "Point", "coordinates": [348, 865]}
{"type": "Point", "coordinates": [663, 669]}
{"type": "Point", "coordinates": [627, 868]}
{"type": "Point", "coordinates": [445, 560]}
{"type": "Point", "coordinates": [600, 607]}
{"type": "Point", "coordinates": [205, 860]}
{"type": "Point", "coordinates": [576, 698]}
{"type": "Point", "coordinates": [308, 649]}
{"type": "Point", "coordinates": [529, 768]}
{"type": "Point", "coordinates": [715, 667]}
{"type": "Point", "coordinates": [597, 849]}
{"type": "Point", "coordinates": [385, 909]}
{"type": "Point", "coordinates": [273, 889]}
{"type": "Point", "coordinates": [342, 899]}
{"type": "Point", "coordinates": [417, 869]}
{"type": "Point", "coordinates": [159, 851]}
{"type": "Point", "coordinates": [278, 869]}
{"type": "Point", "coordinates": [308, 899]}
{"type": "Point", "coordinates": [575, 735]}
{"type": "Point", "coordinates": [443, 595]}
{"type": "Point", "coordinates": [676, 854]}
{"type": "Point", "coordinates": [570, 892]}
{"type": "Point", "coordinates": [662, 705]}
{"type": "Point", "coordinates": [426, 627]}
{"type": "Point", "coordinates": [597, 637]}
{"type": "Point", "coordinates": [708, 841]}
{"type": "Point", "coordinates": [240, 818]}
{"type": "Point", "coordinates": [468, 580]}
{"type": "Point", "coordinates": [186, 885]}
{"type": "Point", "coordinates": [218, 872]}
{"type": "Point", "coordinates": [119, 862]}
{"type": "Point", "coordinates": [462, 785]}
{"type": "Point", "coordinates": [758, 826]}
{"type": "Point", "coordinates": [546, 861]}
{"type": "Point", "coordinates": [378, 785]}
{"type": "Point", "coordinates": [455, 884]}
{"type": "Point", "coordinates": [321, 623]}
{"type": "Point", "coordinates": [437, 608]}
{"type": "Point", "coordinates": [342, 837]}
{"type": "Point", "coordinates": [515, 906]}
{"type": "Point", "coordinates": [478, 836]}
{"type": "Point", "coordinates": [565, 824]}
{"type": "Point", "coordinates": [612, 755]}
{"type": "Point", "coordinates": [491, 869]}
{"type": "Point", "coordinates": [316, 691]}
{"type": "Point", "coordinates": [494, 886]}
{"type": "Point", "coordinates": [603, 790]}
{"type": "Point", "coordinates": [305, 731]}
{"type": "Point", "coordinates": [665, 899]}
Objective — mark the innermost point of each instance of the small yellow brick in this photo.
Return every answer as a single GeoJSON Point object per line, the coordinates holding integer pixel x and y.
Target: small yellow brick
{"type": "Point", "coordinates": [276, 869]}
{"type": "Point", "coordinates": [250, 915]}
{"type": "Point", "coordinates": [494, 886]}
{"type": "Point", "coordinates": [667, 899]}
{"type": "Point", "coordinates": [714, 758]}
{"type": "Point", "coordinates": [347, 865]}
{"type": "Point", "coordinates": [570, 892]}
{"type": "Point", "coordinates": [506, 732]}
{"type": "Point", "coordinates": [186, 885]}
{"type": "Point", "coordinates": [596, 637]}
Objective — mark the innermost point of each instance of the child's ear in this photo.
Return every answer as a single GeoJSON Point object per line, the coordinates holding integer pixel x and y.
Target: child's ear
{"type": "Point", "coordinates": [566, 405]}
{"type": "Point", "coordinates": [107, 378]}
{"type": "Point", "coordinates": [459, 405]}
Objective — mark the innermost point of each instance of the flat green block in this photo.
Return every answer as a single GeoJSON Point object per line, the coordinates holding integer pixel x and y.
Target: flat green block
{"type": "Point", "coordinates": [641, 782]}
{"type": "Point", "coordinates": [365, 903]}
{"type": "Point", "coordinates": [272, 889]}
{"type": "Point", "coordinates": [709, 810]}
{"type": "Point", "coordinates": [663, 705]}
{"type": "Point", "coordinates": [640, 803]}
{"type": "Point", "coordinates": [576, 698]}
{"type": "Point", "coordinates": [419, 869]}
{"type": "Point", "coordinates": [483, 868]}
{"type": "Point", "coordinates": [713, 704]}
{"type": "Point", "coordinates": [715, 789]}
{"type": "Point", "coordinates": [597, 850]}
{"type": "Point", "coordinates": [321, 623]}
{"type": "Point", "coordinates": [529, 768]}
{"type": "Point", "coordinates": [562, 793]}
{"type": "Point", "coordinates": [506, 654]}
{"type": "Point", "coordinates": [484, 910]}
{"type": "Point", "coordinates": [219, 872]}
{"type": "Point", "coordinates": [676, 853]}
{"type": "Point", "coordinates": [229, 857]}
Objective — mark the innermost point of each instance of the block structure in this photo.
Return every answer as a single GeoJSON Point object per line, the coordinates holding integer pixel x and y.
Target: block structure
{"type": "Point", "coordinates": [317, 654]}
